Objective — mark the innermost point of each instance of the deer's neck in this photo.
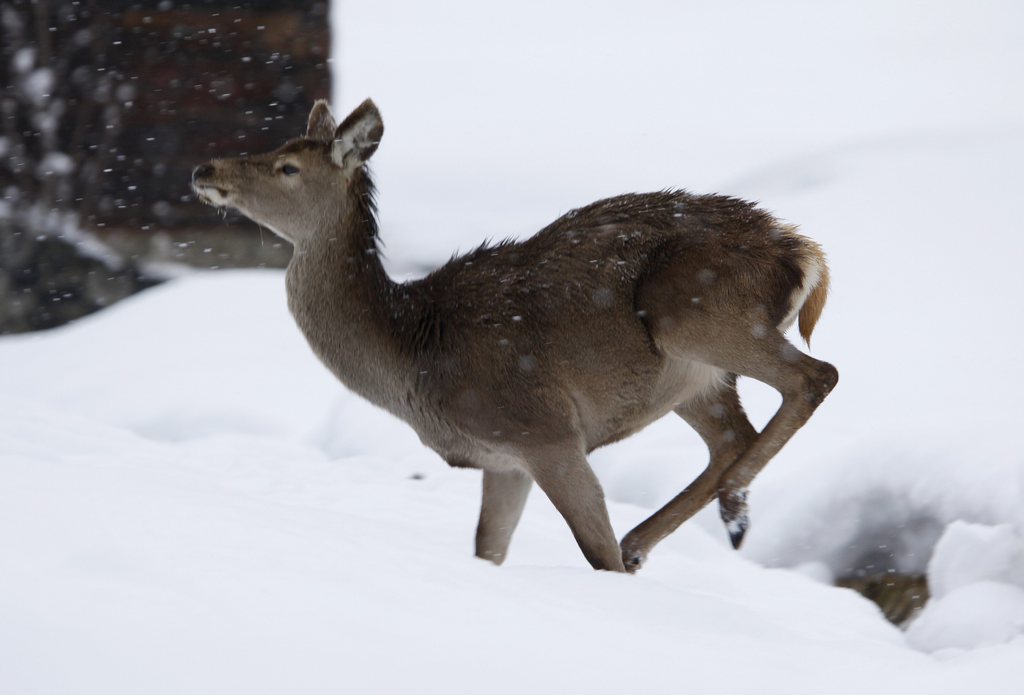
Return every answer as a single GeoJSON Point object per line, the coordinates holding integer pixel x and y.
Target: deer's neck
{"type": "Point", "coordinates": [348, 308]}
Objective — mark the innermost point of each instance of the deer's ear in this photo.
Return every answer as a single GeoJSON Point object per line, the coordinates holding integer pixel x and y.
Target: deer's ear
{"type": "Point", "coordinates": [321, 122]}
{"type": "Point", "coordinates": [356, 139]}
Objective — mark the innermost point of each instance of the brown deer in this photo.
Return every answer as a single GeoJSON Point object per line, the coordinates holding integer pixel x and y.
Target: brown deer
{"type": "Point", "coordinates": [521, 358]}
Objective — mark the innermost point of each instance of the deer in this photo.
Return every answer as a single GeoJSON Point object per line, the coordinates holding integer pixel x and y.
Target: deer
{"type": "Point", "coordinates": [520, 358]}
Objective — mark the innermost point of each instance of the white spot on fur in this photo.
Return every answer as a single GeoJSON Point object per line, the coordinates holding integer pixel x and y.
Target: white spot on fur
{"type": "Point", "coordinates": [737, 525]}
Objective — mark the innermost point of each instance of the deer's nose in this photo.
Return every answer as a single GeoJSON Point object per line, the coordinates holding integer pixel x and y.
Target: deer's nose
{"type": "Point", "coordinates": [202, 171]}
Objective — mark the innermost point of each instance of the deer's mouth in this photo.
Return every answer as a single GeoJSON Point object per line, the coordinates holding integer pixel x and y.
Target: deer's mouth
{"type": "Point", "coordinates": [212, 195]}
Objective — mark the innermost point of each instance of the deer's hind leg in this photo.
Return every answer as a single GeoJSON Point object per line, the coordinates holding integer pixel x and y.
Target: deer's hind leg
{"type": "Point", "coordinates": [746, 348]}
{"type": "Point", "coordinates": [804, 383]}
{"type": "Point", "coordinates": [721, 422]}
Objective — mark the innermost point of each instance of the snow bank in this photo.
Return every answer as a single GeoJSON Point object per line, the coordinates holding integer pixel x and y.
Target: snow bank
{"type": "Point", "coordinates": [976, 577]}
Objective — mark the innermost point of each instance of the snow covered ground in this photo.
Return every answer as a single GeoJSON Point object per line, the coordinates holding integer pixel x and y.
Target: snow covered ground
{"type": "Point", "coordinates": [189, 503]}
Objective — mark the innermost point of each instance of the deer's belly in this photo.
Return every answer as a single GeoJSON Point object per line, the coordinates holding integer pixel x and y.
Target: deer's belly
{"type": "Point", "coordinates": [493, 435]}
{"type": "Point", "coordinates": [678, 382]}
{"type": "Point", "coordinates": [685, 380]}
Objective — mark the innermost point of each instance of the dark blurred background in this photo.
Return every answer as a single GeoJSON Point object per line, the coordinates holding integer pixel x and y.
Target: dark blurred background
{"type": "Point", "coordinates": [106, 107]}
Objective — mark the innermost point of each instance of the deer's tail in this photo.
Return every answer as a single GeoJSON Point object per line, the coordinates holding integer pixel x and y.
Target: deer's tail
{"type": "Point", "coordinates": [811, 310]}
{"type": "Point", "coordinates": [807, 299]}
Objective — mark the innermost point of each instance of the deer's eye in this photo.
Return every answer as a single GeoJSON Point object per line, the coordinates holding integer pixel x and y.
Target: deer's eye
{"type": "Point", "coordinates": [289, 169]}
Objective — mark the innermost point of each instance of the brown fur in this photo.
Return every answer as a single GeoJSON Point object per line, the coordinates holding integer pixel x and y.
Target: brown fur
{"type": "Point", "coordinates": [521, 357]}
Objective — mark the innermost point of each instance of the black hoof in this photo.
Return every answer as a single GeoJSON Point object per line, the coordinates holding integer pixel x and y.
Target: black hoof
{"type": "Point", "coordinates": [736, 533]}
{"type": "Point", "coordinates": [732, 506]}
{"type": "Point", "coordinates": [632, 558]}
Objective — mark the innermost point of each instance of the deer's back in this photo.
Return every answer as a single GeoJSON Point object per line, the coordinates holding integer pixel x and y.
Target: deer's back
{"type": "Point", "coordinates": [520, 339]}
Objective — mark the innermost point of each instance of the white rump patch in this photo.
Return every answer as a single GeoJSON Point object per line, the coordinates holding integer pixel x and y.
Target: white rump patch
{"type": "Point", "coordinates": [811, 267]}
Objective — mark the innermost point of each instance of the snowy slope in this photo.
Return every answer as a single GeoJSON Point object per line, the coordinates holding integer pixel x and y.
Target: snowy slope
{"type": "Point", "coordinates": [244, 557]}
{"type": "Point", "coordinates": [189, 503]}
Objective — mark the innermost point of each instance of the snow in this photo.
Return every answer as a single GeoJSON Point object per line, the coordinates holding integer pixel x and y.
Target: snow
{"type": "Point", "coordinates": [189, 502]}
{"type": "Point", "coordinates": [56, 163]}
{"type": "Point", "coordinates": [38, 85]}
{"type": "Point", "coordinates": [969, 553]}
{"type": "Point", "coordinates": [220, 503]}
{"type": "Point", "coordinates": [23, 59]}
{"type": "Point", "coordinates": [977, 582]}
{"type": "Point", "coordinates": [981, 613]}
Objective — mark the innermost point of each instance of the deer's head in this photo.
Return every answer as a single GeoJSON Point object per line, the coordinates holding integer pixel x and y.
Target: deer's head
{"type": "Point", "coordinates": [302, 185]}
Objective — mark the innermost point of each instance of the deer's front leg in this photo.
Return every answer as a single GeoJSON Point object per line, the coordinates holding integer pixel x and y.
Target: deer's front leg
{"type": "Point", "coordinates": [567, 479]}
{"type": "Point", "coordinates": [504, 496]}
